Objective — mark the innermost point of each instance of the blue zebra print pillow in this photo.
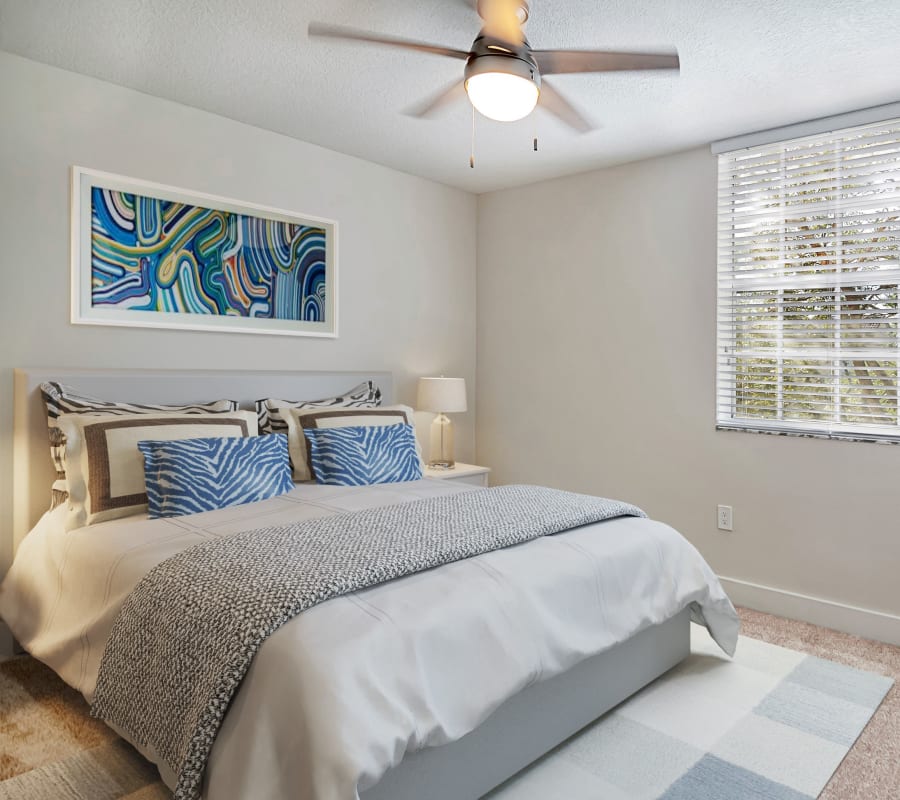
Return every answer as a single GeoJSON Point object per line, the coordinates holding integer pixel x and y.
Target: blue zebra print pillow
{"type": "Point", "coordinates": [187, 476]}
{"type": "Point", "coordinates": [359, 456]}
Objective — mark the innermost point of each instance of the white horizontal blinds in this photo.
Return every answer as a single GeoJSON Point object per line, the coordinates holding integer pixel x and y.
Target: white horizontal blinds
{"type": "Point", "coordinates": [809, 284]}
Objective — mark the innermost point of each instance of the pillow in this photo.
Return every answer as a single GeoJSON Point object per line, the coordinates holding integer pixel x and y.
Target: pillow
{"type": "Point", "coordinates": [299, 423]}
{"type": "Point", "coordinates": [61, 399]}
{"type": "Point", "coordinates": [363, 455]}
{"type": "Point", "coordinates": [271, 411]}
{"type": "Point", "coordinates": [105, 468]}
{"type": "Point", "coordinates": [188, 476]}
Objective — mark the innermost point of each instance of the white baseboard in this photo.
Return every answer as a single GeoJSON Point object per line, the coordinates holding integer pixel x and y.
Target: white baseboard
{"type": "Point", "coordinates": [827, 613]}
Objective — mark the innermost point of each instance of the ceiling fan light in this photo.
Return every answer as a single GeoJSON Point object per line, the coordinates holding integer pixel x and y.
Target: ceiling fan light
{"type": "Point", "coordinates": [502, 96]}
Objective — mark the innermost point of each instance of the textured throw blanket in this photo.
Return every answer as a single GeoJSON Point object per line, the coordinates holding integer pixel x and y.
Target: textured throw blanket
{"type": "Point", "coordinates": [186, 635]}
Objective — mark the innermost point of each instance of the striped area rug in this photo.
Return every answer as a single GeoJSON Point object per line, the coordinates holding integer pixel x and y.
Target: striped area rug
{"type": "Point", "coordinates": [771, 724]}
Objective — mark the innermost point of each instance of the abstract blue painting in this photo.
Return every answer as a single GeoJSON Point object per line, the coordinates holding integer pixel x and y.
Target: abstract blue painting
{"type": "Point", "coordinates": [153, 254]}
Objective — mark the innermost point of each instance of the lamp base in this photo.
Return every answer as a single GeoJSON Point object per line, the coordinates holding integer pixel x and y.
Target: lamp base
{"type": "Point", "coordinates": [441, 450]}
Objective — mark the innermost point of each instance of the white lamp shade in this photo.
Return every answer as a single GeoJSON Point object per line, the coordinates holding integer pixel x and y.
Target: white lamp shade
{"type": "Point", "coordinates": [442, 394]}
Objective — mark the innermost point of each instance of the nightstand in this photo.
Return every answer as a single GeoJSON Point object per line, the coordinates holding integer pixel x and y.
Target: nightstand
{"type": "Point", "coordinates": [461, 473]}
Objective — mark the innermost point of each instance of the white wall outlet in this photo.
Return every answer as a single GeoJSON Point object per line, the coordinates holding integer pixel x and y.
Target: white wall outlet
{"type": "Point", "coordinates": [725, 518]}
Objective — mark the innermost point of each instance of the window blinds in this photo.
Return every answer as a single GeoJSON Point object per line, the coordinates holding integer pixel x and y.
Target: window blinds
{"type": "Point", "coordinates": [809, 285]}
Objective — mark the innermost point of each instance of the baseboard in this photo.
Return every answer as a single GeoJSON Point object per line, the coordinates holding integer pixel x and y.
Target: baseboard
{"type": "Point", "coordinates": [850, 619]}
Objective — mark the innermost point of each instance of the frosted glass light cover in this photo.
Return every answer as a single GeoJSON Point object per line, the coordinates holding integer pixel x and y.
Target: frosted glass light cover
{"type": "Point", "coordinates": [502, 96]}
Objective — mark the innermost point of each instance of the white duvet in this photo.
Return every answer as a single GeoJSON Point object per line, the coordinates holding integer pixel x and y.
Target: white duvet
{"type": "Point", "coordinates": [338, 695]}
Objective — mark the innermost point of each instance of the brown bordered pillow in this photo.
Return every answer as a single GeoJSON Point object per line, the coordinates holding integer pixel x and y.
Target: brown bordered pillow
{"type": "Point", "coordinates": [105, 467]}
{"type": "Point", "coordinates": [60, 399]}
{"type": "Point", "coordinates": [299, 419]}
{"type": "Point", "coordinates": [271, 411]}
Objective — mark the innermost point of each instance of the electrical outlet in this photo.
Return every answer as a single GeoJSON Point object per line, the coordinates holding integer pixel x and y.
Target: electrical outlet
{"type": "Point", "coordinates": [725, 518]}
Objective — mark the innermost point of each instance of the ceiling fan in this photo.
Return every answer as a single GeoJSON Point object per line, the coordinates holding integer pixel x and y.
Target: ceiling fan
{"type": "Point", "coordinates": [504, 76]}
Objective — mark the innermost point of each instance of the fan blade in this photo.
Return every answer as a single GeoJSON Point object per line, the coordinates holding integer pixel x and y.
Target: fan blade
{"type": "Point", "coordinates": [438, 100]}
{"type": "Point", "coordinates": [501, 21]}
{"type": "Point", "coordinates": [561, 108]}
{"type": "Point", "coordinates": [351, 34]}
{"type": "Point", "coordinates": [557, 62]}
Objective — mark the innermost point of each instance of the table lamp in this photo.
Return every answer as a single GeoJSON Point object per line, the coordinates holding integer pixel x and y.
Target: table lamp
{"type": "Point", "coordinates": [442, 395]}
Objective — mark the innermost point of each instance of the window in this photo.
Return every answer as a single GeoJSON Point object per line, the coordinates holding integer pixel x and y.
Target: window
{"type": "Point", "coordinates": [809, 285]}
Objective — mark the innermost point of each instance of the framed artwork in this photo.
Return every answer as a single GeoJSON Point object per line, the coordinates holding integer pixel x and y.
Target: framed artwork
{"type": "Point", "coordinates": [154, 256]}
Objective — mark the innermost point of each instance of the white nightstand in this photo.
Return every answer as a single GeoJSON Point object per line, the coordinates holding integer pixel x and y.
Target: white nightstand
{"type": "Point", "coordinates": [462, 473]}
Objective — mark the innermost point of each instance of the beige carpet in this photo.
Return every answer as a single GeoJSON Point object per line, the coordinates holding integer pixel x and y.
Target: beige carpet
{"type": "Point", "coordinates": [51, 748]}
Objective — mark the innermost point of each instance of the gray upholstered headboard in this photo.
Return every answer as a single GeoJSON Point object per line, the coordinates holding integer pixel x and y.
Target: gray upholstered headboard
{"type": "Point", "coordinates": [32, 470]}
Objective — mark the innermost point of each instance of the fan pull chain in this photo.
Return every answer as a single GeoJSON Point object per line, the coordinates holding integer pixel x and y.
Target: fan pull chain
{"type": "Point", "coordinates": [535, 144]}
{"type": "Point", "coordinates": [472, 154]}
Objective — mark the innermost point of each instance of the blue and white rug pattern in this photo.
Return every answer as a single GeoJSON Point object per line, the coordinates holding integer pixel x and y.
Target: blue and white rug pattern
{"type": "Point", "coordinates": [771, 724]}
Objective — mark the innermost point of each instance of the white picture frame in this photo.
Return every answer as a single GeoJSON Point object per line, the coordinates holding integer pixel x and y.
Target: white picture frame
{"type": "Point", "coordinates": [211, 270]}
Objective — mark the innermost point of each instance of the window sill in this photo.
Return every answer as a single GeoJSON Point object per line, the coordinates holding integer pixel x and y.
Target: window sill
{"type": "Point", "coordinates": [801, 434]}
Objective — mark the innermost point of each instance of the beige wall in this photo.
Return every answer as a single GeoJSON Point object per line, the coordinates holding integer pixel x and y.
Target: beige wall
{"type": "Point", "coordinates": [596, 372]}
{"type": "Point", "coordinates": [407, 245]}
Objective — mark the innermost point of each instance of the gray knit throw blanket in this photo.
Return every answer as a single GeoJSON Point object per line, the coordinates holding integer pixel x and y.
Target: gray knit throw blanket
{"type": "Point", "coordinates": [186, 635]}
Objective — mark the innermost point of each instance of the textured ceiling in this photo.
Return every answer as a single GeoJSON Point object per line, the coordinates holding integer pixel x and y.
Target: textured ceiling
{"type": "Point", "coordinates": [745, 66]}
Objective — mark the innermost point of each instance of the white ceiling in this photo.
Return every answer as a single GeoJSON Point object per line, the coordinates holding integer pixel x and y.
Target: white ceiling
{"type": "Point", "coordinates": [746, 65]}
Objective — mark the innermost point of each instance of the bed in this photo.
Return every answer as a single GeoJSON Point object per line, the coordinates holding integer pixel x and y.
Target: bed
{"type": "Point", "coordinates": [442, 684]}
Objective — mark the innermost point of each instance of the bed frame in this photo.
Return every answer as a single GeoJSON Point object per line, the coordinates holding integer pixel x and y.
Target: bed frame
{"type": "Point", "coordinates": [534, 722]}
{"type": "Point", "coordinates": [519, 732]}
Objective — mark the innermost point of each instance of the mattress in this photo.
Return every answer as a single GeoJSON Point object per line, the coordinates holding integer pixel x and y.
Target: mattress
{"type": "Point", "coordinates": [341, 693]}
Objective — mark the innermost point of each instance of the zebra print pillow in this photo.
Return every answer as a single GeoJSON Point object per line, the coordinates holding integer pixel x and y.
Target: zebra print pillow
{"type": "Point", "coordinates": [271, 416]}
{"type": "Point", "coordinates": [61, 399]}
{"type": "Point", "coordinates": [360, 456]}
{"type": "Point", "coordinates": [300, 420]}
{"type": "Point", "coordinates": [188, 476]}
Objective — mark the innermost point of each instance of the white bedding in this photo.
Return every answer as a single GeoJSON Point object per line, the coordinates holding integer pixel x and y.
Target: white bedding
{"type": "Point", "coordinates": [339, 694]}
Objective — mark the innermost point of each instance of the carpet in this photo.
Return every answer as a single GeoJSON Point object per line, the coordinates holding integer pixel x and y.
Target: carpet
{"type": "Point", "coordinates": [52, 749]}
{"type": "Point", "coordinates": [773, 724]}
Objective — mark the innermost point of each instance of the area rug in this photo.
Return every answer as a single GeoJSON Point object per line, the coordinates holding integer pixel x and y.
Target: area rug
{"type": "Point", "coordinates": [772, 724]}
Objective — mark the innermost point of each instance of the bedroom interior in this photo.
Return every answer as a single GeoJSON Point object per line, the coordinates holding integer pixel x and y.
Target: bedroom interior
{"type": "Point", "coordinates": [641, 288]}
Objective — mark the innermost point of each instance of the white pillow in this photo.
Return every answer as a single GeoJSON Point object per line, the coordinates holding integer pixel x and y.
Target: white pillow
{"type": "Point", "coordinates": [105, 469]}
{"type": "Point", "coordinates": [298, 419]}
